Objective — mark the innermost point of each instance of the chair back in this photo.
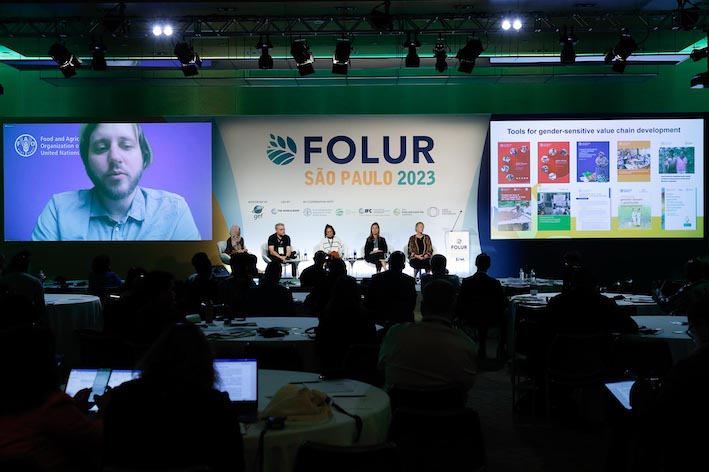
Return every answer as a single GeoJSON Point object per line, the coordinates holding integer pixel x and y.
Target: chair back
{"type": "Point", "coordinates": [447, 440]}
{"type": "Point", "coordinates": [317, 457]}
{"type": "Point", "coordinates": [264, 253]}
{"type": "Point", "coordinates": [275, 356]}
{"type": "Point", "coordinates": [578, 359]}
{"type": "Point", "coordinates": [221, 247]}
{"type": "Point", "coordinates": [428, 398]}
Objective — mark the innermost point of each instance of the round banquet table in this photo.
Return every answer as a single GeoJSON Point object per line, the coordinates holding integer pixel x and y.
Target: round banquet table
{"type": "Point", "coordinates": [281, 446]}
{"type": "Point", "coordinates": [67, 312]}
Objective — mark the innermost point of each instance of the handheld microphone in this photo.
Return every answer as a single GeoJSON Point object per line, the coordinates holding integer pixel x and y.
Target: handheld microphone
{"type": "Point", "coordinates": [456, 219]}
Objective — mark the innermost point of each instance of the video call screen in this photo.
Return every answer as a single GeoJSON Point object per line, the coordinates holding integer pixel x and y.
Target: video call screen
{"type": "Point", "coordinates": [107, 181]}
{"type": "Point", "coordinates": [629, 178]}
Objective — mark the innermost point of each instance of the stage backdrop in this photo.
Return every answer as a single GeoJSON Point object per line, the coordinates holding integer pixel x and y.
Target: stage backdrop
{"type": "Point", "coordinates": [349, 171]}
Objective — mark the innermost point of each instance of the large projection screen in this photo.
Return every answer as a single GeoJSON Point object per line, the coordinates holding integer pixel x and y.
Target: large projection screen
{"type": "Point", "coordinates": [619, 178]}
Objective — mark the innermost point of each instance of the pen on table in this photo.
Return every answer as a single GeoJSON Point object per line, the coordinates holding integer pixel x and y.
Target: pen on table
{"type": "Point", "coordinates": [305, 382]}
{"type": "Point", "coordinates": [347, 396]}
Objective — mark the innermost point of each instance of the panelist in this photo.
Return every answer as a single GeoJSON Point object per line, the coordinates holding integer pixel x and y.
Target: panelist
{"type": "Point", "coordinates": [331, 244]}
{"type": "Point", "coordinates": [420, 251]}
{"type": "Point", "coordinates": [115, 155]}
{"type": "Point", "coordinates": [236, 245]}
{"type": "Point", "coordinates": [279, 248]}
{"type": "Point", "coordinates": [375, 248]}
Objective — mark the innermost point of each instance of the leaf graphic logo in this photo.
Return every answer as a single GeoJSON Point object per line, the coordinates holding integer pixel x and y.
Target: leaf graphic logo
{"type": "Point", "coordinates": [281, 151]}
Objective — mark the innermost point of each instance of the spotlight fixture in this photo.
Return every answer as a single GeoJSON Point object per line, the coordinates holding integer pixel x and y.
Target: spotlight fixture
{"type": "Point", "coordinates": [341, 59]}
{"type": "Point", "coordinates": [517, 24]}
{"type": "Point", "coordinates": [568, 41]}
{"type": "Point", "coordinates": [440, 52]}
{"type": "Point", "coordinates": [698, 54]}
{"type": "Point", "coordinates": [2, 90]}
{"type": "Point", "coordinates": [98, 60]}
{"type": "Point", "coordinates": [620, 53]}
{"type": "Point", "coordinates": [67, 61]}
{"type": "Point", "coordinates": [468, 54]}
{"type": "Point", "coordinates": [265, 61]}
{"type": "Point", "coordinates": [303, 58]}
{"type": "Point", "coordinates": [157, 30]}
{"type": "Point", "coordinates": [188, 58]}
{"type": "Point", "coordinates": [167, 30]}
{"type": "Point", "coordinates": [506, 25]}
{"type": "Point", "coordinates": [700, 81]}
{"type": "Point", "coordinates": [412, 58]}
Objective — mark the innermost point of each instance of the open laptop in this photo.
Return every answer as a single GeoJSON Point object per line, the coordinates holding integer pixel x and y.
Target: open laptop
{"type": "Point", "coordinates": [119, 376]}
{"type": "Point", "coordinates": [95, 379]}
{"type": "Point", "coordinates": [239, 379]}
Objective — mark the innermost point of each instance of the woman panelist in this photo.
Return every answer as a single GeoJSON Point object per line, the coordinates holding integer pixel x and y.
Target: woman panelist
{"type": "Point", "coordinates": [331, 244]}
{"type": "Point", "coordinates": [375, 248]}
{"type": "Point", "coordinates": [420, 251]}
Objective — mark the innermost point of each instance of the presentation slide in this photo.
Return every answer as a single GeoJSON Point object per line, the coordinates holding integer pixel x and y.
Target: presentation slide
{"type": "Point", "coordinates": [620, 178]}
{"type": "Point", "coordinates": [107, 181]}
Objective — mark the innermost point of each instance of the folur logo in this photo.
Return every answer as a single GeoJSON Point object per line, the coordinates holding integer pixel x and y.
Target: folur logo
{"type": "Point", "coordinates": [25, 145]}
{"type": "Point", "coordinates": [281, 151]}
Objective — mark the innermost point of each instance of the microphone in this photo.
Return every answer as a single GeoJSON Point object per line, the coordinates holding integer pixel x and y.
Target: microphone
{"type": "Point", "coordinates": [456, 219]}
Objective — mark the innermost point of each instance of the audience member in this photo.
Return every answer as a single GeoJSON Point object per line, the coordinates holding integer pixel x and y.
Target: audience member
{"type": "Point", "coordinates": [233, 289]}
{"type": "Point", "coordinates": [439, 272]}
{"type": "Point", "coordinates": [343, 323]}
{"type": "Point", "coordinates": [102, 279]}
{"type": "Point", "coordinates": [40, 425]}
{"type": "Point", "coordinates": [172, 416]}
{"type": "Point", "coordinates": [391, 296]}
{"type": "Point", "coordinates": [269, 298]}
{"type": "Point", "coordinates": [481, 306]}
{"type": "Point", "coordinates": [16, 279]}
{"type": "Point", "coordinates": [572, 260]}
{"type": "Point", "coordinates": [157, 310]}
{"type": "Point", "coordinates": [432, 352]}
{"type": "Point", "coordinates": [201, 287]}
{"type": "Point", "coordinates": [320, 294]}
{"type": "Point", "coordinates": [313, 275]}
{"type": "Point", "coordinates": [673, 297]}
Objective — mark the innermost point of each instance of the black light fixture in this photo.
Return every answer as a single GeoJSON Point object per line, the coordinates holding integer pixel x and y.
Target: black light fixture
{"type": "Point", "coordinates": [98, 58]}
{"type": "Point", "coordinates": [68, 62]}
{"type": "Point", "coordinates": [700, 80]}
{"type": "Point", "coordinates": [698, 54]}
{"type": "Point", "coordinates": [341, 58]}
{"type": "Point", "coordinates": [303, 58]}
{"type": "Point", "coordinates": [265, 61]}
{"type": "Point", "coordinates": [468, 54]}
{"type": "Point", "coordinates": [568, 41]}
{"type": "Point", "coordinates": [412, 57]}
{"type": "Point", "coordinates": [440, 52]}
{"type": "Point", "coordinates": [2, 90]}
{"type": "Point", "coordinates": [189, 59]}
{"type": "Point", "coordinates": [620, 53]}
{"type": "Point", "coordinates": [382, 20]}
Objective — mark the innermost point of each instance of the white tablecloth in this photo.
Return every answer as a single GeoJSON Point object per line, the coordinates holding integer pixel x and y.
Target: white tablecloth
{"type": "Point", "coordinates": [67, 312]}
{"type": "Point", "coordinates": [643, 304]}
{"type": "Point", "coordinates": [673, 332]}
{"type": "Point", "coordinates": [281, 447]}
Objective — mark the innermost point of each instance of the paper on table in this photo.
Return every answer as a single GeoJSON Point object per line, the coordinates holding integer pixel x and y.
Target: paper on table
{"type": "Point", "coordinates": [334, 386]}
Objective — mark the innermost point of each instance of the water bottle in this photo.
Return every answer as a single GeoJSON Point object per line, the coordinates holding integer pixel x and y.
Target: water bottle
{"type": "Point", "coordinates": [532, 276]}
{"type": "Point", "coordinates": [521, 274]}
{"type": "Point", "coordinates": [305, 255]}
{"type": "Point", "coordinates": [355, 254]}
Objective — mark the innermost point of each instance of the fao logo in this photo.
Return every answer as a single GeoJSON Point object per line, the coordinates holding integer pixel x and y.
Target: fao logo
{"type": "Point", "coordinates": [307, 211]}
{"type": "Point", "coordinates": [25, 145]}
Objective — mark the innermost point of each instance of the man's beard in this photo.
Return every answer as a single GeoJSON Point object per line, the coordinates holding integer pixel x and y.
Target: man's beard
{"type": "Point", "coordinates": [115, 192]}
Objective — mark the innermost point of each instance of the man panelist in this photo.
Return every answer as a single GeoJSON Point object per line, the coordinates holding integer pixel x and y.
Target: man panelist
{"type": "Point", "coordinates": [279, 248]}
{"type": "Point", "coordinates": [116, 208]}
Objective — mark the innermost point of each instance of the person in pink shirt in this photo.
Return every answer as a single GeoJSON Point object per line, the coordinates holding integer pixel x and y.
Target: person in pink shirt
{"type": "Point", "coordinates": [681, 163]}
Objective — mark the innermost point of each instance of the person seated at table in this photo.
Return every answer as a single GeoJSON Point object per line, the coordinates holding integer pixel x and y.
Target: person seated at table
{"type": "Point", "coordinates": [16, 279]}
{"type": "Point", "coordinates": [102, 279]}
{"type": "Point", "coordinates": [571, 260]}
{"type": "Point", "coordinates": [674, 297]}
{"type": "Point", "coordinates": [156, 309]}
{"type": "Point", "coordinates": [433, 352]}
{"type": "Point", "coordinates": [269, 298]}
{"type": "Point", "coordinates": [420, 251]}
{"type": "Point", "coordinates": [319, 295]}
{"type": "Point", "coordinates": [342, 324]}
{"type": "Point", "coordinates": [481, 306]}
{"type": "Point", "coordinates": [172, 416]}
{"type": "Point", "coordinates": [375, 248]}
{"type": "Point", "coordinates": [439, 272]}
{"type": "Point", "coordinates": [202, 286]}
{"type": "Point", "coordinates": [391, 296]}
{"type": "Point", "coordinates": [331, 244]}
{"type": "Point", "coordinates": [313, 275]}
{"type": "Point", "coordinates": [233, 289]}
{"type": "Point", "coordinates": [41, 427]}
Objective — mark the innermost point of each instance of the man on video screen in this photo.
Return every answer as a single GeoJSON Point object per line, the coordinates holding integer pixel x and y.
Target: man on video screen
{"type": "Point", "coordinates": [116, 208]}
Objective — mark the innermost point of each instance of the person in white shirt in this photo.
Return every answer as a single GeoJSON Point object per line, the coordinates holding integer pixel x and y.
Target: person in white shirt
{"type": "Point", "coordinates": [331, 244]}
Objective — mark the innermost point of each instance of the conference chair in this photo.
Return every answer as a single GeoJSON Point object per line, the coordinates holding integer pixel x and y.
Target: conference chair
{"type": "Point", "coordinates": [221, 247]}
{"type": "Point", "coordinates": [444, 397]}
{"type": "Point", "coordinates": [267, 259]}
{"type": "Point", "coordinates": [318, 457]}
{"type": "Point", "coordinates": [432, 440]}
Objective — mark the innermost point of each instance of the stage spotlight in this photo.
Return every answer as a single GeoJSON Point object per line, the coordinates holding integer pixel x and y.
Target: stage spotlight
{"type": "Point", "coordinates": [468, 54]}
{"type": "Point", "coordinates": [620, 53]}
{"type": "Point", "coordinates": [440, 53]}
{"type": "Point", "coordinates": [303, 58]}
{"type": "Point", "coordinates": [167, 30]}
{"type": "Point", "coordinates": [341, 59]}
{"type": "Point", "coordinates": [412, 58]}
{"type": "Point", "coordinates": [698, 54]}
{"type": "Point", "coordinates": [506, 24]}
{"type": "Point", "coordinates": [157, 30]}
{"type": "Point", "coordinates": [517, 25]}
{"type": "Point", "coordinates": [2, 90]}
{"type": "Point", "coordinates": [568, 41]}
{"type": "Point", "coordinates": [67, 61]}
{"type": "Point", "coordinates": [188, 58]}
{"type": "Point", "coordinates": [700, 81]}
{"type": "Point", "coordinates": [98, 59]}
{"type": "Point", "coordinates": [265, 61]}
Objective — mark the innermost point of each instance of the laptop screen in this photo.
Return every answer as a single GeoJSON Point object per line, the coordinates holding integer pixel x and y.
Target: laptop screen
{"type": "Point", "coordinates": [118, 376]}
{"type": "Point", "coordinates": [79, 379]}
{"type": "Point", "coordinates": [238, 378]}
{"type": "Point", "coordinates": [621, 391]}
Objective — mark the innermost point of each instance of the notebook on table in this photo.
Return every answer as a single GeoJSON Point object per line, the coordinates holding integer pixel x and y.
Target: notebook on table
{"type": "Point", "coordinates": [239, 379]}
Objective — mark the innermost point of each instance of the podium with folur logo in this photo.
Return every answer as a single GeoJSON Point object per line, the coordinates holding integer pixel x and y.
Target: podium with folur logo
{"type": "Point", "coordinates": [458, 252]}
